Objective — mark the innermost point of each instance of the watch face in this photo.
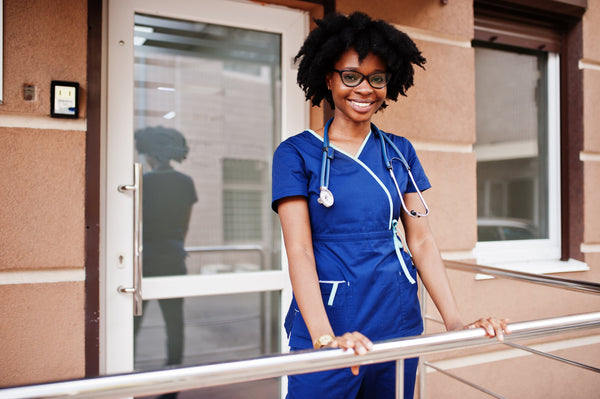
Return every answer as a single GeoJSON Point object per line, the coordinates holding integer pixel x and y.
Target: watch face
{"type": "Point", "coordinates": [326, 198]}
{"type": "Point", "coordinates": [324, 341]}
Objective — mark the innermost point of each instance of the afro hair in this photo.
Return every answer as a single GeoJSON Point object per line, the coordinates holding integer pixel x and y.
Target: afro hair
{"type": "Point", "coordinates": [337, 33]}
{"type": "Point", "coordinates": [162, 143]}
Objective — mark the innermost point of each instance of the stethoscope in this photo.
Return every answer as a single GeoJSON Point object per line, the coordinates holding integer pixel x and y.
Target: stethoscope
{"type": "Point", "coordinates": [326, 197]}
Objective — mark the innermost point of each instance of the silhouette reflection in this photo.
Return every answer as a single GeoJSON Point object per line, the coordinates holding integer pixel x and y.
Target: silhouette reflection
{"type": "Point", "coordinates": [168, 199]}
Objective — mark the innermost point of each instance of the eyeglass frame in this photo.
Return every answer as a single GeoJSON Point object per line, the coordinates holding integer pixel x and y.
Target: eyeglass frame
{"type": "Point", "coordinates": [387, 75]}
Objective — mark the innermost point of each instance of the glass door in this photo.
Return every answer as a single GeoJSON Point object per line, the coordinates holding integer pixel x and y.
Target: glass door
{"type": "Point", "coordinates": [198, 95]}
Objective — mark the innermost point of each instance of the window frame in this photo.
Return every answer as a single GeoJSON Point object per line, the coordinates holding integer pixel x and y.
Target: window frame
{"type": "Point", "coordinates": [548, 248]}
{"type": "Point", "coordinates": [556, 28]}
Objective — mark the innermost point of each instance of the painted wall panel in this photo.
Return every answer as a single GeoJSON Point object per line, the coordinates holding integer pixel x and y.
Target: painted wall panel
{"type": "Point", "coordinates": [591, 31]}
{"type": "Point", "coordinates": [43, 41]}
{"type": "Point", "coordinates": [42, 199]}
{"type": "Point", "coordinates": [591, 201]}
{"type": "Point", "coordinates": [452, 198]}
{"type": "Point", "coordinates": [42, 332]}
{"type": "Point", "coordinates": [440, 106]}
{"type": "Point", "coordinates": [454, 18]}
{"type": "Point", "coordinates": [591, 105]}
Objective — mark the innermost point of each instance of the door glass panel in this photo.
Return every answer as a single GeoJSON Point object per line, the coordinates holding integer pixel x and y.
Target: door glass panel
{"type": "Point", "coordinates": [208, 329]}
{"type": "Point", "coordinates": [211, 329]}
{"type": "Point", "coordinates": [207, 107]}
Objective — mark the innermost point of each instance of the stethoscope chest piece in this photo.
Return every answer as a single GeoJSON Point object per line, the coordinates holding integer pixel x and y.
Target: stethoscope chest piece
{"type": "Point", "coordinates": [325, 198]}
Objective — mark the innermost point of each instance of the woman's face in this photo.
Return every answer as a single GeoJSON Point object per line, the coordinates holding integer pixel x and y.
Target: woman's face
{"type": "Point", "coordinates": [357, 104]}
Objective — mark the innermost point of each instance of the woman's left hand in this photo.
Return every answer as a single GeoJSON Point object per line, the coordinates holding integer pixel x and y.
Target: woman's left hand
{"type": "Point", "coordinates": [493, 327]}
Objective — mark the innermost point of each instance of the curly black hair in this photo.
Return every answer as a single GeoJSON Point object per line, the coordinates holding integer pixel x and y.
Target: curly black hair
{"type": "Point", "coordinates": [162, 143]}
{"type": "Point", "coordinates": [337, 33]}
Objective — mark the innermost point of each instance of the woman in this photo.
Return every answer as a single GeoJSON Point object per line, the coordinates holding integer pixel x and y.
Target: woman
{"type": "Point", "coordinates": [352, 274]}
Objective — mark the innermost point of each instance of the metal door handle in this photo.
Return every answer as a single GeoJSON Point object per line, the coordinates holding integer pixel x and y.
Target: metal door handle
{"type": "Point", "coordinates": [137, 189]}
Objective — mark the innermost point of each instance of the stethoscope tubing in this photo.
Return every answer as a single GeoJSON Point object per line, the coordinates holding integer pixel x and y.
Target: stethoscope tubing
{"type": "Point", "coordinates": [388, 165]}
{"type": "Point", "coordinates": [326, 197]}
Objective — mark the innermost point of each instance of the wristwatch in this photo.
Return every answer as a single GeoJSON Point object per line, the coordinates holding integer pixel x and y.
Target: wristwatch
{"type": "Point", "coordinates": [324, 340]}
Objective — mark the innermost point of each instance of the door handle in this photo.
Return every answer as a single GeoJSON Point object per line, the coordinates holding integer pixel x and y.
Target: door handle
{"type": "Point", "coordinates": [137, 189]}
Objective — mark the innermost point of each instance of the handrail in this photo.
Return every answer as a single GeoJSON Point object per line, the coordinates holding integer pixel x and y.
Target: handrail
{"type": "Point", "coordinates": [464, 381]}
{"type": "Point", "coordinates": [185, 378]}
{"type": "Point", "coordinates": [553, 357]}
{"type": "Point", "coordinates": [561, 282]}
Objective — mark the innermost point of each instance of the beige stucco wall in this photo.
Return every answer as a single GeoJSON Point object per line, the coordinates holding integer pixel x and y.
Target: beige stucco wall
{"type": "Point", "coordinates": [43, 41]}
{"type": "Point", "coordinates": [440, 111]}
{"type": "Point", "coordinates": [42, 199]}
{"type": "Point", "coordinates": [591, 123]}
{"type": "Point", "coordinates": [42, 332]}
{"type": "Point", "coordinates": [44, 188]}
{"type": "Point", "coordinates": [42, 194]}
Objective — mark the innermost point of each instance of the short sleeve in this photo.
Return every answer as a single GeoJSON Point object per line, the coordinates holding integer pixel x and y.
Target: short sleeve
{"type": "Point", "coordinates": [289, 177]}
{"type": "Point", "coordinates": [415, 166]}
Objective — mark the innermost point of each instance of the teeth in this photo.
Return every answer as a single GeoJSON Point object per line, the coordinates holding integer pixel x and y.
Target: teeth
{"type": "Point", "coordinates": [362, 105]}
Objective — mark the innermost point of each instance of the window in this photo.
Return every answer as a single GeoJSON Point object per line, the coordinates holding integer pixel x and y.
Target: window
{"type": "Point", "coordinates": [517, 149]}
{"type": "Point", "coordinates": [515, 136]}
{"type": "Point", "coordinates": [243, 200]}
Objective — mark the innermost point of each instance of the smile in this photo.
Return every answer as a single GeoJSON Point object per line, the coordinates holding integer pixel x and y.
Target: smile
{"type": "Point", "coordinates": [361, 104]}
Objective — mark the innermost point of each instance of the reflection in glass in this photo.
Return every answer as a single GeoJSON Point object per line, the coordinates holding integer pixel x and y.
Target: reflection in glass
{"type": "Point", "coordinates": [512, 144]}
{"type": "Point", "coordinates": [220, 87]}
{"type": "Point", "coordinates": [168, 199]}
{"type": "Point", "coordinates": [217, 329]}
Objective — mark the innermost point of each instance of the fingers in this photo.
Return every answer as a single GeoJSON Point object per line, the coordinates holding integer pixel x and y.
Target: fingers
{"type": "Point", "coordinates": [356, 341]}
{"type": "Point", "coordinates": [353, 340]}
{"type": "Point", "coordinates": [493, 327]}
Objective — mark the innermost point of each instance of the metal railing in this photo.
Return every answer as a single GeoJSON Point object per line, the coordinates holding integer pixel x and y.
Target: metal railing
{"type": "Point", "coordinates": [558, 282]}
{"type": "Point", "coordinates": [551, 281]}
{"type": "Point", "coordinates": [186, 378]}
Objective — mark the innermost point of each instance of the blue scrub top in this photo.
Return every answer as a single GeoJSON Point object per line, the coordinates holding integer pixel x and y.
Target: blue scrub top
{"type": "Point", "coordinates": [363, 286]}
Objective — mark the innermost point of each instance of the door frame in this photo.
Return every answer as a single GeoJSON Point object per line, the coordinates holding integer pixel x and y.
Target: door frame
{"type": "Point", "coordinates": [116, 208]}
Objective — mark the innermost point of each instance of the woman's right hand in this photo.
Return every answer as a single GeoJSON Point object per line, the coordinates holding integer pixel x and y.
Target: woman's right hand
{"type": "Point", "coordinates": [352, 340]}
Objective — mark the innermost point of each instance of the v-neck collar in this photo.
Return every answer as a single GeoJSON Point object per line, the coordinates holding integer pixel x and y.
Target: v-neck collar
{"type": "Point", "coordinates": [360, 149]}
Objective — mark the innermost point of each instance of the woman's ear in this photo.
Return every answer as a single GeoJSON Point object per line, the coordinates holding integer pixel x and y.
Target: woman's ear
{"type": "Point", "coordinates": [328, 79]}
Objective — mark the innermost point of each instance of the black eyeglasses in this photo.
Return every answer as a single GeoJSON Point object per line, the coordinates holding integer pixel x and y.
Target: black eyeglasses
{"type": "Point", "coordinates": [377, 80]}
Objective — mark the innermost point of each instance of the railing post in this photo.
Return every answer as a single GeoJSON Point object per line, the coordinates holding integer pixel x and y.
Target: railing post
{"type": "Point", "coordinates": [400, 379]}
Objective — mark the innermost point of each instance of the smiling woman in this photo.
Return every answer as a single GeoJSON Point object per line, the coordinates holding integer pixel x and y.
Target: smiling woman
{"type": "Point", "coordinates": [344, 254]}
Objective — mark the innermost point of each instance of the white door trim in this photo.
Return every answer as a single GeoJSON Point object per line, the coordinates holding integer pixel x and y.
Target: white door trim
{"type": "Point", "coordinates": [116, 346]}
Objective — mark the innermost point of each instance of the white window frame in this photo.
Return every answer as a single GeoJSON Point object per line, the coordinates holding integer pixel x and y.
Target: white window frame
{"type": "Point", "coordinates": [540, 255]}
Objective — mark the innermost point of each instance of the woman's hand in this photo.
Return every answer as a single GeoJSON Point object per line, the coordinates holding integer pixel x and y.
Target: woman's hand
{"type": "Point", "coordinates": [354, 340]}
{"type": "Point", "coordinates": [493, 327]}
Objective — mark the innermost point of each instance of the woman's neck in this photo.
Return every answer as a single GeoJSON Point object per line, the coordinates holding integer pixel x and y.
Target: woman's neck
{"type": "Point", "coordinates": [347, 135]}
{"type": "Point", "coordinates": [347, 129]}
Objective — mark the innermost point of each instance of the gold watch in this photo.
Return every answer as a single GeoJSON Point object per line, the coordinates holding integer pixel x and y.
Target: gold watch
{"type": "Point", "coordinates": [324, 340]}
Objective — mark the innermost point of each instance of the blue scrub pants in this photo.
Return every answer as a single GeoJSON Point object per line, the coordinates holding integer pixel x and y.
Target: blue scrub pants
{"type": "Point", "coordinates": [373, 381]}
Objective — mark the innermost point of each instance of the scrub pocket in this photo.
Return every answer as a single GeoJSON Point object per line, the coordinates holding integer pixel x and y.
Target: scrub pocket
{"type": "Point", "coordinates": [411, 307]}
{"type": "Point", "coordinates": [336, 298]}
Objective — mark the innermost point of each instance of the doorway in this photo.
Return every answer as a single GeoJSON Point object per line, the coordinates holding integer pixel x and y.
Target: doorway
{"type": "Point", "coordinates": [199, 95]}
